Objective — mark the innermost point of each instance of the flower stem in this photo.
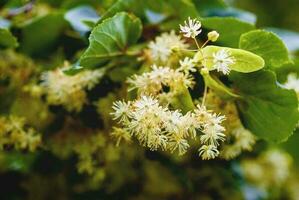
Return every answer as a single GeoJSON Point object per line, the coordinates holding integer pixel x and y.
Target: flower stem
{"type": "Point", "coordinates": [204, 95]}
{"type": "Point", "coordinates": [196, 43]}
{"type": "Point", "coordinates": [204, 44]}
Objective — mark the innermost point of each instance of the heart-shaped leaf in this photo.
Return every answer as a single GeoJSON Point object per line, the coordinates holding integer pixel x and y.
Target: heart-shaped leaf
{"type": "Point", "coordinates": [268, 110]}
{"type": "Point", "coordinates": [267, 45]}
{"type": "Point", "coordinates": [111, 38]}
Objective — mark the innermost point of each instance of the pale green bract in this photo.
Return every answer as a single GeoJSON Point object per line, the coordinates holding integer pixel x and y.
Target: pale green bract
{"type": "Point", "coordinates": [244, 61]}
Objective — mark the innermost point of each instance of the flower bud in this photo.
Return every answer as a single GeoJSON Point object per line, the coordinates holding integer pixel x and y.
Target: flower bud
{"type": "Point", "coordinates": [213, 36]}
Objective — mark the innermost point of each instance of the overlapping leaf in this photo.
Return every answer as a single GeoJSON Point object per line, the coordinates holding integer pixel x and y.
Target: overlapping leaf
{"type": "Point", "coordinates": [267, 45]}
{"type": "Point", "coordinates": [111, 39]}
{"type": "Point", "coordinates": [268, 110]}
{"type": "Point", "coordinates": [230, 29]}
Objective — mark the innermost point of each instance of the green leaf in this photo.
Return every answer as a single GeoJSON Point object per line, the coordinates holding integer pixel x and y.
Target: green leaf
{"type": "Point", "coordinates": [267, 45]}
{"type": "Point", "coordinates": [175, 11]}
{"type": "Point", "coordinates": [134, 6]}
{"type": "Point", "coordinates": [203, 5]}
{"type": "Point", "coordinates": [231, 12]}
{"type": "Point", "coordinates": [291, 146]}
{"type": "Point", "coordinates": [230, 29]}
{"type": "Point", "coordinates": [7, 40]}
{"type": "Point", "coordinates": [244, 61]}
{"type": "Point", "coordinates": [111, 39]}
{"type": "Point", "coordinates": [41, 34]}
{"type": "Point", "coordinates": [268, 110]}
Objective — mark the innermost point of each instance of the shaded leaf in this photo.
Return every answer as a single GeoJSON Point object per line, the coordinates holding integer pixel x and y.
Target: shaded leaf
{"type": "Point", "coordinates": [203, 5]}
{"type": "Point", "coordinates": [230, 29]}
{"type": "Point", "coordinates": [7, 40]}
{"type": "Point", "coordinates": [231, 12]}
{"type": "Point", "coordinates": [268, 110]}
{"type": "Point", "coordinates": [41, 34]}
{"type": "Point", "coordinates": [173, 11]}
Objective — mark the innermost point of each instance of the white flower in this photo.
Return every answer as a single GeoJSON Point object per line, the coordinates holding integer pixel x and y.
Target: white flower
{"type": "Point", "coordinates": [222, 61]}
{"type": "Point", "coordinates": [122, 110]}
{"type": "Point", "coordinates": [145, 102]}
{"type": "Point", "coordinates": [160, 75]}
{"type": "Point", "coordinates": [67, 90]}
{"type": "Point", "coordinates": [244, 138]}
{"type": "Point", "coordinates": [191, 28]}
{"type": "Point", "coordinates": [187, 65]}
{"type": "Point", "coordinates": [212, 130]}
{"type": "Point", "coordinates": [157, 127]}
{"type": "Point", "coordinates": [161, 48]}
{"type": "Point", "coordinates": [212, 135]}
{"type": "Point", "coordinates": [151, 83]}
{"type": "Point", "coordinates": [208, 152]}
{"type": "Point", "coordinates": [180, 144]}
{"type": "Point", "coordinates": [292, 82]}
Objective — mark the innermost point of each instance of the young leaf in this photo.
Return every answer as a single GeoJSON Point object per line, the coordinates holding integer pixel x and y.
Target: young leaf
{"type": "Point", "coordinates": [230, 29]}
{"type": "Point", "coordinates": [268, 110]}
{"type": "Point", "coordinates": [267, 45]}
{"type": "Point", "coordinates": [111, 38]}
{"type": "Point", "coordinates": [7, 40]}
{"type": "Point", "coordinates": [244, 61]}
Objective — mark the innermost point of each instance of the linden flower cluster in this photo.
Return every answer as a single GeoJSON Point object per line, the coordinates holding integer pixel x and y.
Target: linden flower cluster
{"type": "Point", "coordinates": [239, 139]}
{"type": "Point", "coordinates": [161, 48]}
{"type": "Point", "coordinates": [62, 89]}
{"type": "Point", "coordinates": [151, 121]}
{"type": "Point", "coordinates": [157, 127]}
{"type": "Point", "coordinates": [13, 133]}
{"type": "Point", "coordinates": [272, 168]}
{"type": "Point", "coordinates": [222, 59]}
{"type": "Point", "coordinates": [243, 140]}
{"type": "Point", "coordinates": [151, 83]}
